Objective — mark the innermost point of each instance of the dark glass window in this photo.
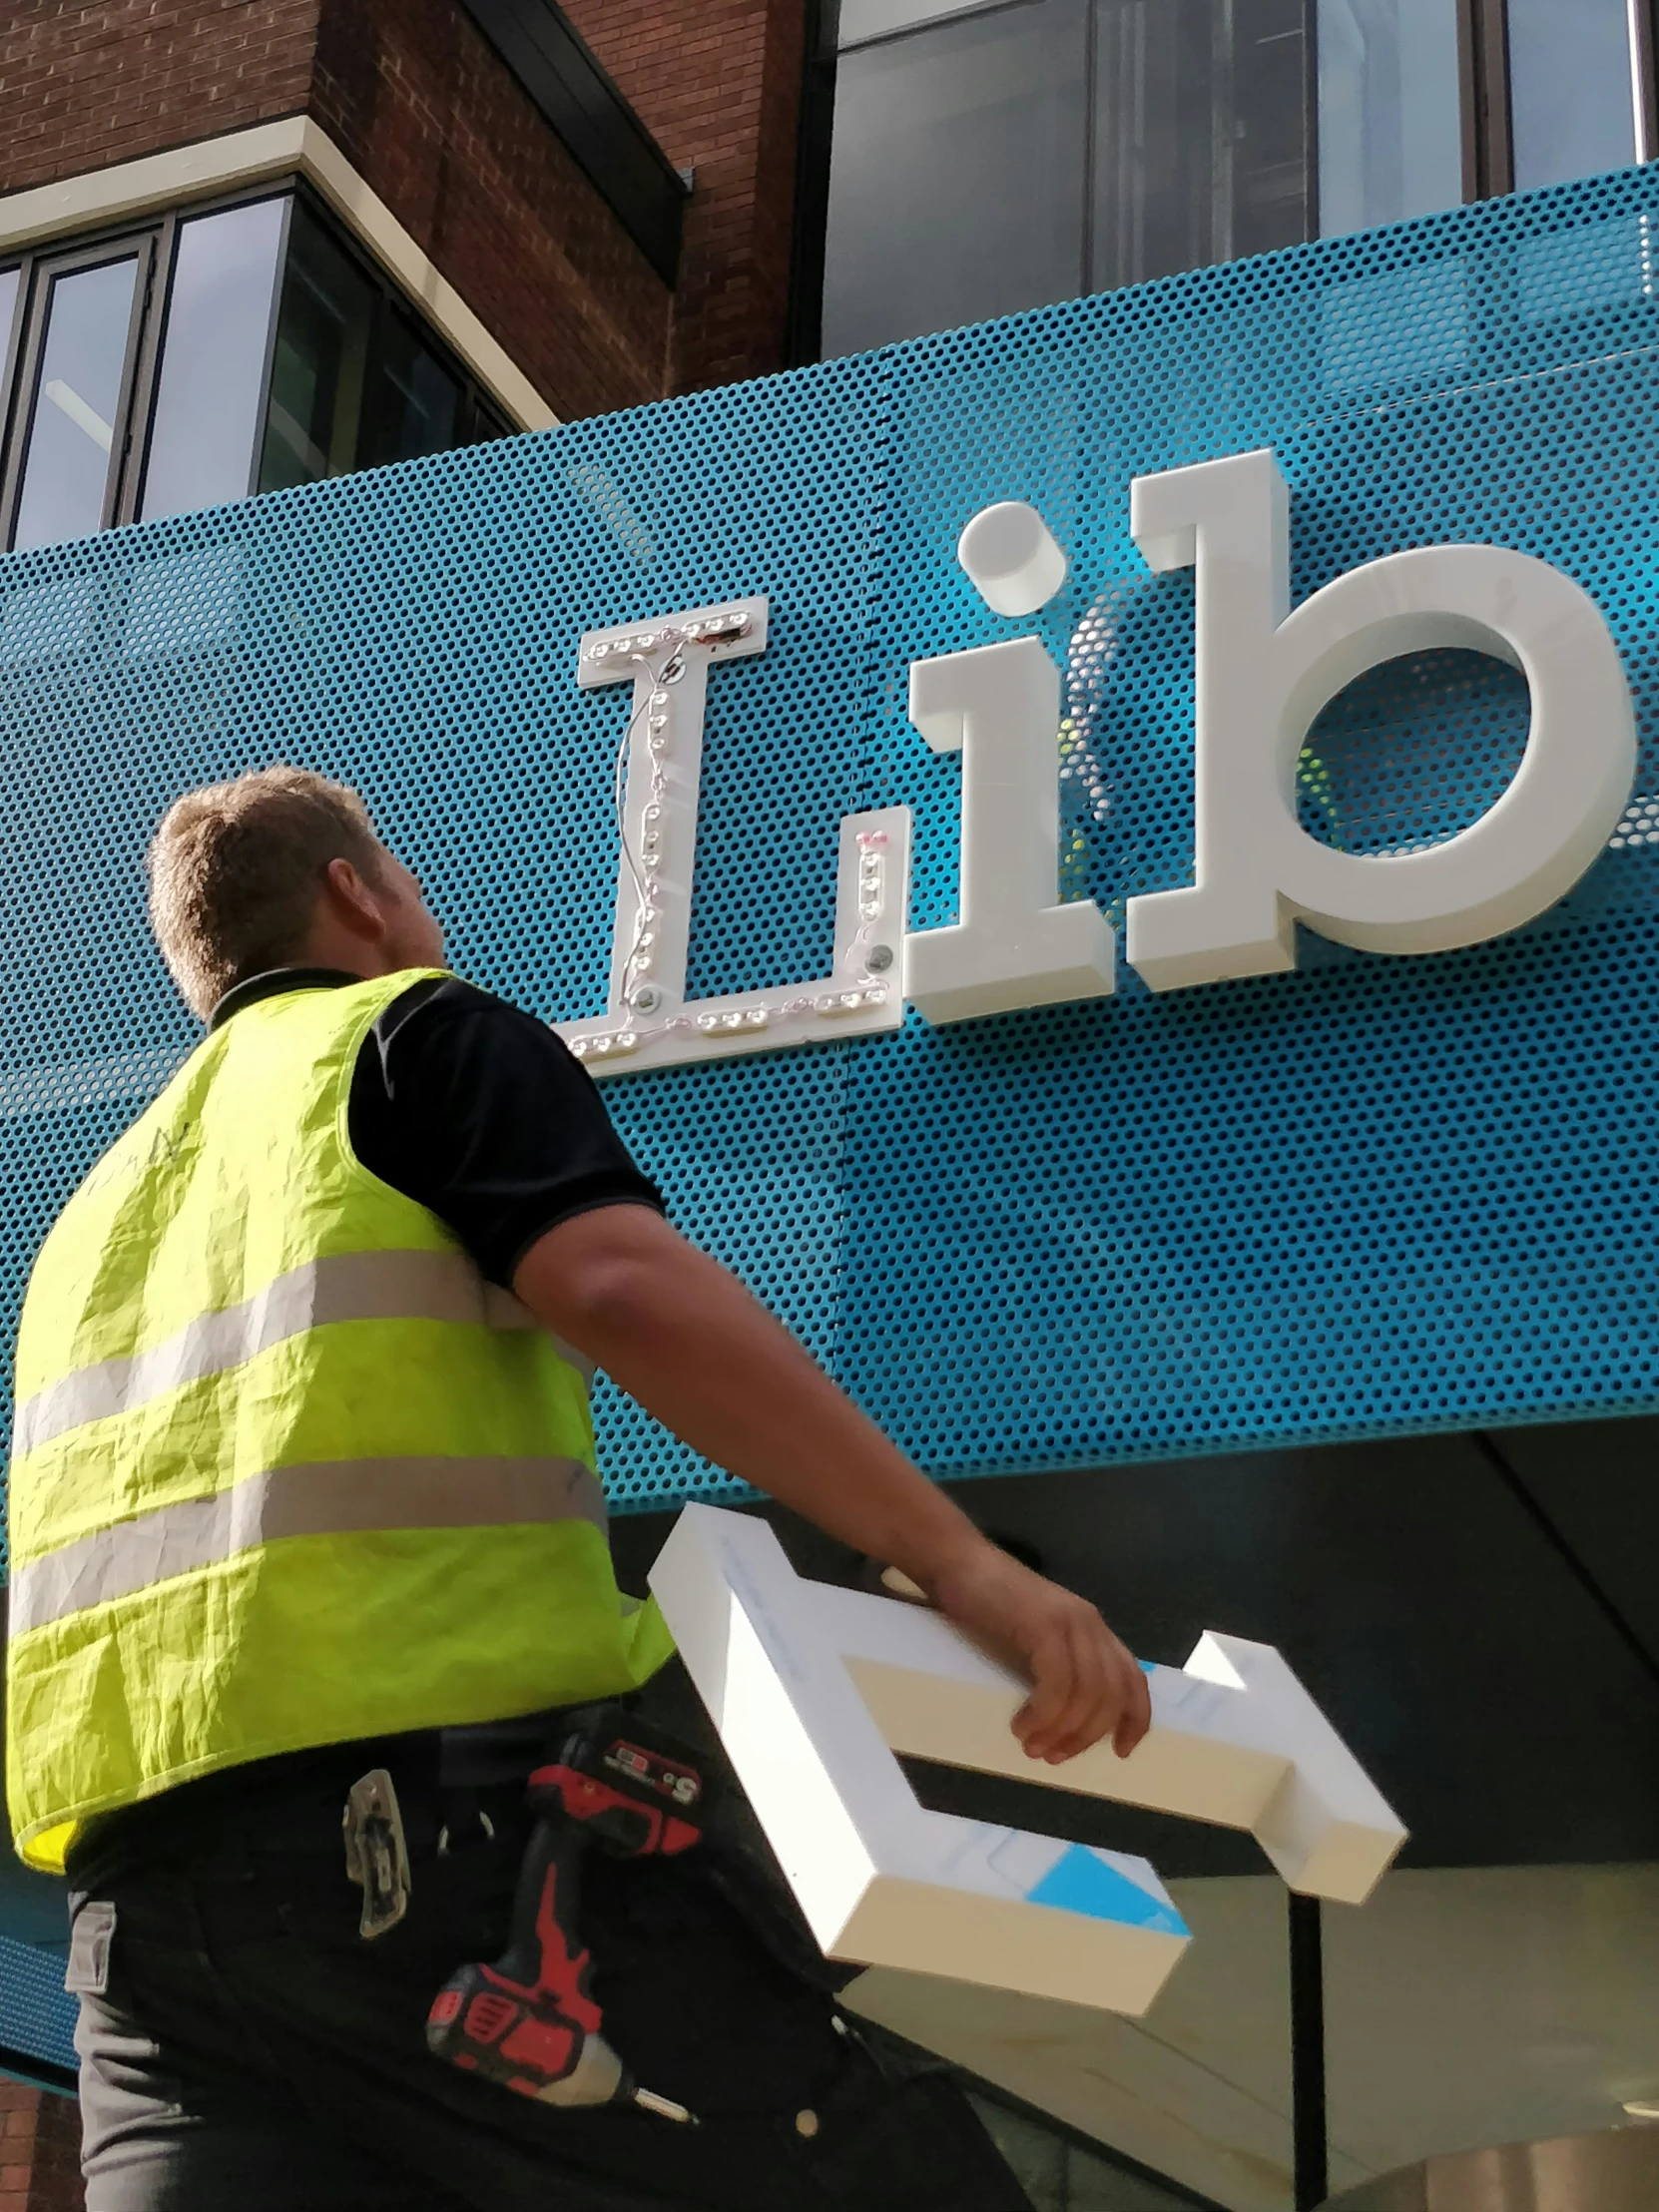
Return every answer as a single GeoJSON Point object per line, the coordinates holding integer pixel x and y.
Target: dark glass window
{"type": "Point", "coordinates": [413, 404]}
{"type": "Point", "coordinates": [1570, 88]}
{"type": "Point", "coordinates": [957, 173]}
{"type": "Point", "coordinates": [320, 363]}
{"type": "Point", "coordinates": [355, 383]}
{"type": "Point", "coordinates": [205, 356]}
{"type": "Point", "coordinates": [1391, 115]}
{"type": "Point", "coordinates": [1200, 134]}
{"type": "Point", "coordinates": [984, 163]}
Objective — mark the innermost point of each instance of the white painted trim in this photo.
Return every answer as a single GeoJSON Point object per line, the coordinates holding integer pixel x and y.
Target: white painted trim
{"type": "Point", "coordinates": [295, 145]}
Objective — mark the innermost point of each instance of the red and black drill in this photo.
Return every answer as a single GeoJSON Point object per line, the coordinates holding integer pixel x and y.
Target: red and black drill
{"type": "Point", "coordinates": [529, 2023]}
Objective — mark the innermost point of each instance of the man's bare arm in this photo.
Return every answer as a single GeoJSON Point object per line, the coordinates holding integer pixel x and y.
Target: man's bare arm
{"type": "Point", "coordinates": [682, 1335]}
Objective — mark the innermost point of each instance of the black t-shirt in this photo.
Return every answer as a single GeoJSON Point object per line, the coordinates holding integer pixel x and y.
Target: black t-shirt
{"type": "Point", "coordinates": [478, 1110]}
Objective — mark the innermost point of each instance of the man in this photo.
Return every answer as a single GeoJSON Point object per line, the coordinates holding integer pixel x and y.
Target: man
{"type": "Point", "coordinates": [303, 1487]}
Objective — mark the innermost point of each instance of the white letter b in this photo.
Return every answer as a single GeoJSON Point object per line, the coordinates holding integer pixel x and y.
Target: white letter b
{"type": "Point", "coordinates": [1264, 674]}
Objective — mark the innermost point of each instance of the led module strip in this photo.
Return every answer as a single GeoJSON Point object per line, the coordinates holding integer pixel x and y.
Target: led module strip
{"type": "Point", "coordinates": [648, 1021]}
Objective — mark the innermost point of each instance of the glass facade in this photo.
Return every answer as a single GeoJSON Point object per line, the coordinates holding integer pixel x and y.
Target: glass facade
{"type": "Point", "coordinates": [70, 461]}
{"type": "Point", "coordinates": [957, 174]}
{"type": "Point", "coordinates": [1572, 88]}
{"type": "Point", "coordinates": [212, 385]}
{"type": "Point", "coordinates": [1390, 115]}
{"type": "Point", "coordinates": [993, 158]}
{"type": "Point", "coordinates": [354, 383]}
{"type": "Point", "coordinates": [207, 355]}
{"type": "Point", "coordinates": [1200, 134]}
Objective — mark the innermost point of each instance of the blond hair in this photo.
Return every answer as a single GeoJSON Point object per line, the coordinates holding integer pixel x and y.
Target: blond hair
{"type": "Point", "coordinates": [235, 871]}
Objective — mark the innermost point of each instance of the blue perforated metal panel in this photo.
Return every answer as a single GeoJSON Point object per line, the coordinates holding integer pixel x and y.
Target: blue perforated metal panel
{"type": "Point", "coordinates": [37, 2014]}
{"type": "Point", "coordinates": [1378, 1195]}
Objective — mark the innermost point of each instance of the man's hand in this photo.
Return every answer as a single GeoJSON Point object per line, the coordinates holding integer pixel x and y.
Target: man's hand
{"type": "Point", "coordinates": [685, 1338]}
{"type": "Point", "coordinates": [1084, 1685]}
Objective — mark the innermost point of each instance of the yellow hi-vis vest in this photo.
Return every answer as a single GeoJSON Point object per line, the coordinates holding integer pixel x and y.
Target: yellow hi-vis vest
{"type": "Point", "coordinates": [287, 1470]}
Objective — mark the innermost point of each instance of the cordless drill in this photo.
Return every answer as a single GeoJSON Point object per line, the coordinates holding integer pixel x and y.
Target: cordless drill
{"type": "Point", "coordinates": [530, 2021]}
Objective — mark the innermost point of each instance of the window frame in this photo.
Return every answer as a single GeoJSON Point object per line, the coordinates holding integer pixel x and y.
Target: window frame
{"type": "Point", "coordinates": [154, 242]}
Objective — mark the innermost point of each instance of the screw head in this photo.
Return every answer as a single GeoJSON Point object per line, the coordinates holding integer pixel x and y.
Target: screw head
{"type": "Point", "coordinates": [647, 998]}
{"type": "Point", "coordinates": [880, 958]}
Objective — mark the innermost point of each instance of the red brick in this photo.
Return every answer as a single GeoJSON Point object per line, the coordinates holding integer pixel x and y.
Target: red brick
{"type": "Point", "coordinates": [428, 112]}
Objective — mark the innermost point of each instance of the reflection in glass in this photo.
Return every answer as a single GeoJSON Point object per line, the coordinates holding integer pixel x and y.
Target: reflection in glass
{"type": "Point", "coordinates": [957, 174]}
{"type": "Point", "coordinates": [1391, 130]}
{"type": "Point", "coordinates": [76, 404]}
{"type": "Point", "coordinates": [1570, 88]}
{"type": "Point", "coordinates": [201, 447]}
{"type": "Point", "coordinates": [317, 373]}
{"type": "Point", "coordinates": [411, 406]}
{"type": "Point", "coordinates": [1200, 134]}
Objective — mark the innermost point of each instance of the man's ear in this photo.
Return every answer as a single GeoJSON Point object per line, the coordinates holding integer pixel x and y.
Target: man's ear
{"type": "Point", "coordinates": [352, 902]}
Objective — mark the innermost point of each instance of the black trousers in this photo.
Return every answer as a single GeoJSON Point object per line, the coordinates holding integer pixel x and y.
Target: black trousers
{"type": "Point", "coordinates": [242, 2050]}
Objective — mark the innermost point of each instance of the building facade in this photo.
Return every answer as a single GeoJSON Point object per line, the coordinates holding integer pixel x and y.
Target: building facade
{"type": "Point", "coordinates": [1296, 1284]}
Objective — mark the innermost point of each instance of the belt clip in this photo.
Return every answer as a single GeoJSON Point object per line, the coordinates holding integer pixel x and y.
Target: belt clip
{"type": "Point", "coordinates": [376, 1857]}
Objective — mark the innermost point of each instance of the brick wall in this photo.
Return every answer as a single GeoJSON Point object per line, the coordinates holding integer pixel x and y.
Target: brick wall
{"type": "Point", "coordinates": [423, 107]}
{"type": "Point", "coordinates": [82, 86]}
{"type": "Point", "coordinates": [40, 2151]}
{"type": "Point", "coordinates": [718, 85]}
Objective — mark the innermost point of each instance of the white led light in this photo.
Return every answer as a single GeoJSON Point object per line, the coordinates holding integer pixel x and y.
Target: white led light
{"type": "Point", "coordinates": [598, 653]}
{"type": "Point", "coordinates": [659, 722]}
{"type": "Point", "coordinates": [705, 1021]}
{"type": "Point", "coordinates": [756, 1018]}
{"type": "Point", "coordinates": [651, 814]}
{"type": "Point", "coordinates": [659, 698]}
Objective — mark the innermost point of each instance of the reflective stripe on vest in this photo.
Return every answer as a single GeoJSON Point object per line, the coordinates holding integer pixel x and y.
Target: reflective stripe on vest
{"type": "Point", "coordinates": [349, 1286]}
{"type": "Point", "coordinates": [327, 1499]}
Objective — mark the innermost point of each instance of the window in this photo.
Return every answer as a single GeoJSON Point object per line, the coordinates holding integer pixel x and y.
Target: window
{"type": "Point", "coordinates": [203, 357]}
{"type": "Point", "coordinates": [1040, 149]}
{"type": "Point", "coordinates": [70, 454]}
{"type": "Point", "coordinates": [355, 383]}
{"type": "Point", "coordinates": [957, 174]}
{"type": "Point", "coordinates": [1390, 118]}
{"type": "Point", "coordinates": [212, 383]}
{"type": "Point", "coordinates": [1200, 134]}
{"type": "Point", "coordinates": [1572, 88]}
{"type": "Point", "coordinates": [991, 157]}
